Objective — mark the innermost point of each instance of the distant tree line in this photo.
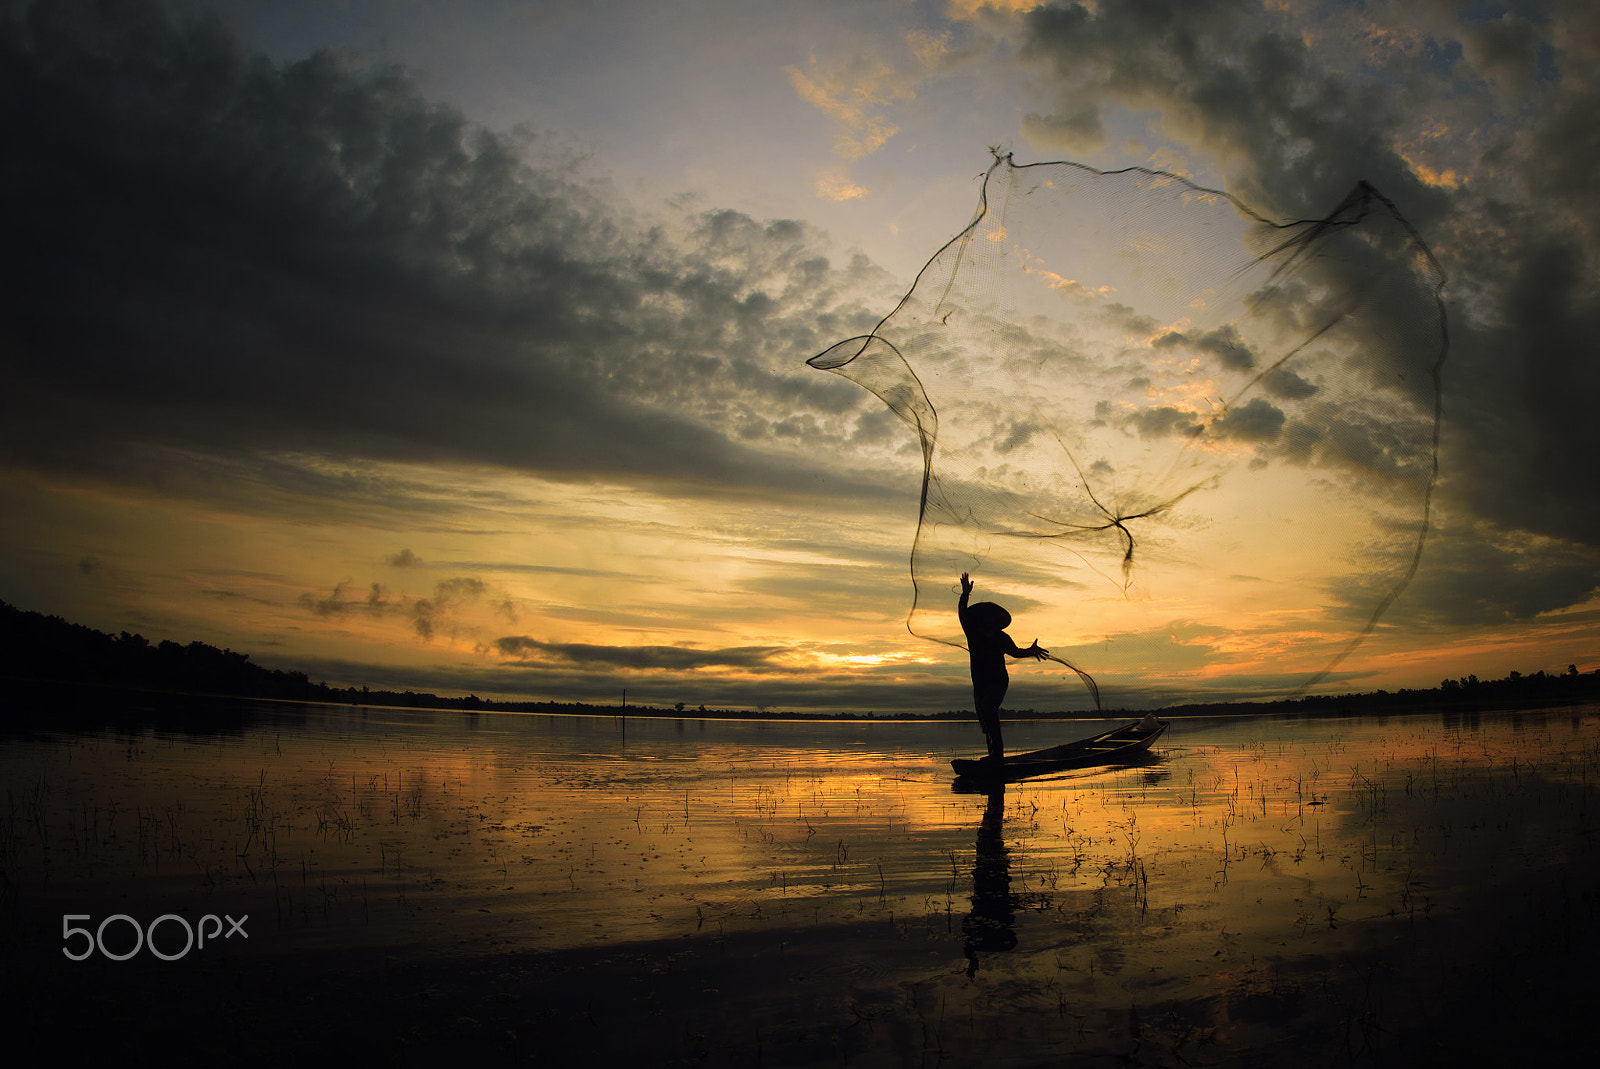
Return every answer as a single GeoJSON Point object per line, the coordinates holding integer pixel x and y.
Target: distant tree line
{"type": "Point", "coordinates": [38, 647]}
{"type": "Point", "coordinates": [48, 649]}
{"type": "Point", "coordinates": [1515, 691]}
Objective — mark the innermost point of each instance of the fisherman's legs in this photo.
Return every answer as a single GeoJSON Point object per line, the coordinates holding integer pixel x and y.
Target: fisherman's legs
{"type": "Point", "coordinates": [987, 694]}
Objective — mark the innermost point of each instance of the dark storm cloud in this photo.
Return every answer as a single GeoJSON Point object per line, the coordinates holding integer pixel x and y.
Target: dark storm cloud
{"type": "Point", "coordinates": [1529, 439]}
{"type": "Point", "coordinates": [1254, 421]}
{"type": "Point", "coordinates": [677, 658]}
{"type": "Point", "coordinates": [335, 604]}
{"type": "Point", "coordinates": [1239, 80]}
{"type": "Point", "coordinates": [1477, 121]}
{"type": "Point", "coordinates": [206, 248]}
{"type": "Point", "coordinates": [581, 682]}
{"type": "Point", "coordinates": [1286, 385]}
{"type": "Point", "coordinates": [1223, 343]}
{"type": "Point", "coordinates": [1162, 421]}
{"type": "Point", "coordinates": [1506, 47]}
{"type": "Point", "coordinates": [426, 615]}
{"type": "Point", "coordinates": [1468, 577]}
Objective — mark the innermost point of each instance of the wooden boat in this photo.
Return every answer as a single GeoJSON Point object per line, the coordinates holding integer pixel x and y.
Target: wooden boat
{"type": "Point", "coordinates": [1108, 748]}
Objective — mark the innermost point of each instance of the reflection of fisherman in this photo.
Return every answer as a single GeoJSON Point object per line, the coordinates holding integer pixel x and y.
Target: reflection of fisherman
{"type": "Point", "coordinates": [988, 645]}
{"type": "Point", "coordinates": [989, 926]}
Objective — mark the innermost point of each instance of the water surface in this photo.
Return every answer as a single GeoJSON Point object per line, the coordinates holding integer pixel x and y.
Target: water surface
{"type": "Point", "coordinates": [804, 892]}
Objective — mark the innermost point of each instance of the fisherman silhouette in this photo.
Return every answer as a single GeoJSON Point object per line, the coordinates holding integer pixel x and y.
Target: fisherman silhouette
{"type": "Point", "coordinates": [988, 645]}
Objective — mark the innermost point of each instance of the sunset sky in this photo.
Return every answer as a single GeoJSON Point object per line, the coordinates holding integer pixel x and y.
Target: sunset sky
{"type": "Point", "coordinates": [462, 346]}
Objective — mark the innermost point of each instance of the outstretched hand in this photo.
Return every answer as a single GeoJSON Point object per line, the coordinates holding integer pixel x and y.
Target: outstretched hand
{"type": "Point", "coordinates": [966, 583]}
{"type": "Point", "coordinates": [1036, 651]}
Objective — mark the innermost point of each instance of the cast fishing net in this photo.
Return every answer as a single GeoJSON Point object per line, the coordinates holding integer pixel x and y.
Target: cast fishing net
{"type": "Point", "coordinates": [1149, 417]}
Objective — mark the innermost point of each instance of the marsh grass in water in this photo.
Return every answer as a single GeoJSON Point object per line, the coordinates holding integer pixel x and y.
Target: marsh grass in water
{"type": "Point", "coordinates": [1367, 891]}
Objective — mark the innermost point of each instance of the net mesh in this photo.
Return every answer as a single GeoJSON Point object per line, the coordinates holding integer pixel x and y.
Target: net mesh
{"type": "Point", "coordinates": [1144, 409]}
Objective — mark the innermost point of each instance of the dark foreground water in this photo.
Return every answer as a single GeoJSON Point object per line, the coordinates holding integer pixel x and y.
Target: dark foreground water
{"type": "Point", "coordinates": [409, 886]}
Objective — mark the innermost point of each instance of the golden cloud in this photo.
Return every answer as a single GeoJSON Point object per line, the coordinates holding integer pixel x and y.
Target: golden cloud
{"type": "Point", "coordinates": [834, 184]}
{"type": "Point", "coordinates": [855, 96]}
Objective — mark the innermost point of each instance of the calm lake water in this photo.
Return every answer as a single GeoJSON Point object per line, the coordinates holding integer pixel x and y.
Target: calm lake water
{"type": "Point", "coordinates": [657, 891]}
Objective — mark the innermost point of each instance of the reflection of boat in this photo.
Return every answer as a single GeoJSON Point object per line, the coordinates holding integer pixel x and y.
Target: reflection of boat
{"type": "Point", "coordinates": [1109, 748]}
